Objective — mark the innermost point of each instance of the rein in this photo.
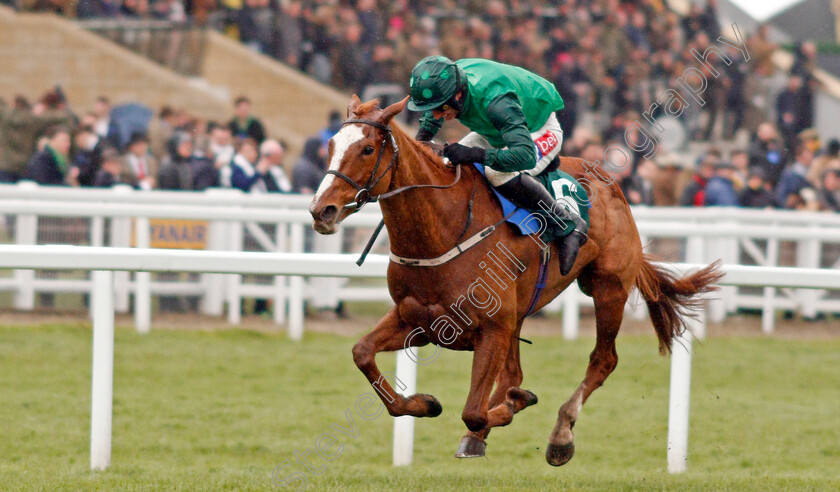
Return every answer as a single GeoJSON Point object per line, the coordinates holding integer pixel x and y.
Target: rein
{"type": "Point", "coordinates": [363, 195]}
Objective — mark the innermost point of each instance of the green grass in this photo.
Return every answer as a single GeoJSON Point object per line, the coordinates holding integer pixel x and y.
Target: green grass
{"type": "Point", "coordinates": [218, 410]}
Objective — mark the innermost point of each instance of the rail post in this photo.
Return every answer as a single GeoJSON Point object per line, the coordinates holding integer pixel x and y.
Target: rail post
{"type": "Point", "coordinates": [768, 312]}
{"type": "Point", "coordinates": [102, 386]}
{"type": "Point", "coordinates": [26, 233]}
{"type": "Point", "coordinates": [296, 287]}
{"type": "Point", "coordinates": [281, 290]}
{"type": "Point", "coordinates": [121, 229]}
{"type": "Point", "coordinates": [404, 426]}
{"type": "Point", "coordinates": [808, 256]}
{"type": "Point", "coordinates": [142, 281]}
{"type": "Point", "coordinates": [234, 281]}
{"type": "Point", "coordinates": [571, 312]}
{"type": "Point", "coordinates": [678, 406]}
{"type": "Point", "coordinates": [680, 389]}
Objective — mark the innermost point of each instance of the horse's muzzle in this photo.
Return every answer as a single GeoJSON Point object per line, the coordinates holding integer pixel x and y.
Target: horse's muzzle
{"type": "Point", "coordinates": [325, 219]}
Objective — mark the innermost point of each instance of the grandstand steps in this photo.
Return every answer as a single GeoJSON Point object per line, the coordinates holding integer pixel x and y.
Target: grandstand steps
{"type": "Point", "coordinates": [38, 51]}
{"type": "Point", "coordinates": [293, 105]}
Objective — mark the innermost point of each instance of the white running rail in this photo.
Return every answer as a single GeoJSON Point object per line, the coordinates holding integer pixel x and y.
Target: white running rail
{"type": "Point", "coordinates": [696, 235]}
{"type": "Point", "coordinates": [104, 261]}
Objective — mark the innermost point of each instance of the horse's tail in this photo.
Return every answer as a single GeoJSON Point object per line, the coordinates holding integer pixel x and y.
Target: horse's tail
{"type": "Point", "coordinates": [671, 300]}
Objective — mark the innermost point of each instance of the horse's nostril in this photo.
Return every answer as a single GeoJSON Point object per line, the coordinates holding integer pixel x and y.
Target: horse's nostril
{"type": "Point", "coordinates": [328, 214]}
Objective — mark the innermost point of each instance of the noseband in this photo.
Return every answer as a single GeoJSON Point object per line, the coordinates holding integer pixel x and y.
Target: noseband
{"type": "Point", "coordinates": [363, 195]}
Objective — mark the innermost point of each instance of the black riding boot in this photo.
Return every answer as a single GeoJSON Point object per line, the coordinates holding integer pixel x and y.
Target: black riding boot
{"type": "Point", "coordinates": [527, 192]}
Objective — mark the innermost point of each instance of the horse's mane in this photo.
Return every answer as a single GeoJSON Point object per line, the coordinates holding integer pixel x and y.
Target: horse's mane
{"type": "Point", "coordinates": [366, 107]}
{"type": "Point", "coordinates": [422, 149]}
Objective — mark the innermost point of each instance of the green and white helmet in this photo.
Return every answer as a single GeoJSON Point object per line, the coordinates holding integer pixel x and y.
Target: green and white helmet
{"type": "Point", "coordinates": [434, 81]}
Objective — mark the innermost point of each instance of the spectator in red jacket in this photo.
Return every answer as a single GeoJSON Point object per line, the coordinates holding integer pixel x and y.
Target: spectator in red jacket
{"type": "Point", "coordinates": [694, 194]}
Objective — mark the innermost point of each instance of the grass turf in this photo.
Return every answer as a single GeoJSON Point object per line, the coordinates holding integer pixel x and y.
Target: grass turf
{"type": "Point", "coordinates": [196, 410]}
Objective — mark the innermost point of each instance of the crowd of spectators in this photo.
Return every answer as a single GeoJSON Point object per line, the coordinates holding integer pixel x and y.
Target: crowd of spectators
{"type": "Point", "coordinates": [762, 176]}
{"type": "Point", "coordinates": [610, 60]}
{"type": "Point", "coordinates": [606, 57]}
{"type": "Point", "coordinates": [46, 142]}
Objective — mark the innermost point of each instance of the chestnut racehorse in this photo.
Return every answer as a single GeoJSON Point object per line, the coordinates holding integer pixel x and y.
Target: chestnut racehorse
{"type": "Point", "coordinates": [372, 158]}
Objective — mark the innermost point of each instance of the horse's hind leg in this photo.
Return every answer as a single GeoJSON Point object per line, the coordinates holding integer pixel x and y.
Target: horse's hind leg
{"type": "Point", "coordinates": [507, 399]}
{"type": "Point", "coordinates": [610, 297]}
{"type": "Point", "coordinates": [390, 334]}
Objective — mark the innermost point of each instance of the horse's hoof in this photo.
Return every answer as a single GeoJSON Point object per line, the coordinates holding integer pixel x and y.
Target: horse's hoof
{"type": "Point", "coordinates": [433, 405]}
{"type": "Point", "coordinates": [419, 405]}
{"type": "Point", "coordinates": [523, 395]}
{"type": "Point", "coordinates": [559, 454]}
{"type": "Point", "coordinates": [471, 447]}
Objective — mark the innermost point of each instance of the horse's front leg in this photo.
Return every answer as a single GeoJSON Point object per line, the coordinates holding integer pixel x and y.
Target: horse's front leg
{"type": "Point", "coordinates": [390, 334]}
{"type": "Point", "coordinates": [507, 399]}
{"type": "Point", "coordinates": [490, 352]}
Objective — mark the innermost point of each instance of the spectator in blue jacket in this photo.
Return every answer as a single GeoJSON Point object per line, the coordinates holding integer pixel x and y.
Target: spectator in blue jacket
{"type": "Point", "coordinates": [333, 126]}
{"type": "Point", "coordinates": [241, 171]}
{"type": "Point", "coordinates": [720, 190]}
{"type": "Point", "coordinates": [794, 191]}
{"type": "Point", "coordinates": [259, 173]}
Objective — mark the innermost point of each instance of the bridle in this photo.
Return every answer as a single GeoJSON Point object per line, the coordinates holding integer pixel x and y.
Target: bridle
{"type": "Point", "coordinates": [363, 195]}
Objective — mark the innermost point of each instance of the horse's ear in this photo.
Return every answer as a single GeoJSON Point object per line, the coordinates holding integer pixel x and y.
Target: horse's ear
{"type": "Point", "coordinates": [393, 110]}
{"type": "Point", "coordinates": [354, 103]}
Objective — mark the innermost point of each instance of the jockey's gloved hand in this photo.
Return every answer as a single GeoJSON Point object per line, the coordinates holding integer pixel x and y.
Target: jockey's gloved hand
{"type": "Point", "coordinates": [460, 154]}
{"type": "Point", "coordinates": [424, 135]}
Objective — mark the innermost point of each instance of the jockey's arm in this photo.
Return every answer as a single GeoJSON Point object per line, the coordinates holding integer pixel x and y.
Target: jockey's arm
{"type": "Point", "coordinates": [429, 126]}
{"type": "Point", "coordinates": [505, 112]}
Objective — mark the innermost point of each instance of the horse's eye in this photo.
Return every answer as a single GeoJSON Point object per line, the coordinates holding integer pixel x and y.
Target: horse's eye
{"type": "Point", "coordinates": [368, 150]}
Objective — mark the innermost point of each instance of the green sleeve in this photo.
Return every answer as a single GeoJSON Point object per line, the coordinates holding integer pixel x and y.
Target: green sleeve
{"type": "Point", "coordinates": [428, 122]}
{"type": "Point", "coordinates": [506, 114]}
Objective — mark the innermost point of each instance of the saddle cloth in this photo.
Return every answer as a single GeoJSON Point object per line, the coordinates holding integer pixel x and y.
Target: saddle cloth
{"type": "Point", "coordinates": [571, 195]}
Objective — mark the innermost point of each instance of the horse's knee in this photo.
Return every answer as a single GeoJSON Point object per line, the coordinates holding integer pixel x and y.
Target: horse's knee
{"type": "Point", "coordinates": [362, 354]}
{"type": "Point", "coordinates": [475, 421]}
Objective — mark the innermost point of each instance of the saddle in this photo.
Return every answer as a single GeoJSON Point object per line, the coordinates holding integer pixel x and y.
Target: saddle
{"type": "Point", "coordinates": [572, 194]}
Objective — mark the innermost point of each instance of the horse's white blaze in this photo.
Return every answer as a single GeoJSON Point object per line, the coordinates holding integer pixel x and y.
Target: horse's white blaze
{"type": "Point", "coordinates": [342, 141]}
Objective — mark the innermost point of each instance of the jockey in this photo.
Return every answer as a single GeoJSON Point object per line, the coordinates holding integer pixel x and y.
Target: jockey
{"type": "Point", "coordinates": [514, 131]}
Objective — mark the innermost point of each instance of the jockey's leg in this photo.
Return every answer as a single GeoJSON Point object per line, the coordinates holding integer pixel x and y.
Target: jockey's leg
{"type": "Point", "coordinates": [526, 191]}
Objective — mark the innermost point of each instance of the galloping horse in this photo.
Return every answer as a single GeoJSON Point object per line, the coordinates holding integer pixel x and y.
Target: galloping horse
{"type": "Point", "coordinates": [424, 221]}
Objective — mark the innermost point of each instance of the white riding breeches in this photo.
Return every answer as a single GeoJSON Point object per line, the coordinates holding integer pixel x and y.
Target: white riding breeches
{"type": "Point", "coordinates": [547, 142]}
